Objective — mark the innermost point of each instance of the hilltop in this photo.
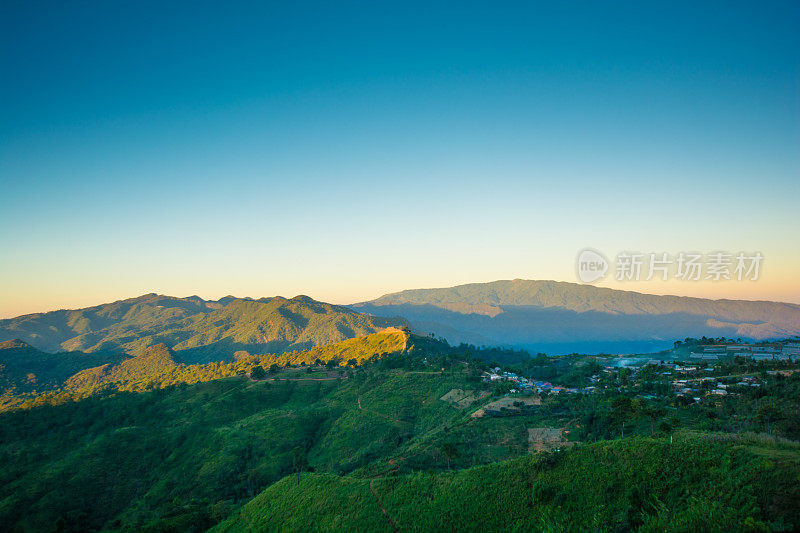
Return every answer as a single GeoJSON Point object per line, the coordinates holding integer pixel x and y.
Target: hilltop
{"type": "Point", "coordinates": [564, 317]}
{"type": "Point", "coordinates": [199, 331]}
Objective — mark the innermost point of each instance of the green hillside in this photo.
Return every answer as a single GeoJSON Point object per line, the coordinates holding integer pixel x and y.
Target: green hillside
{"type": "Point", "coordinates": [402, 426]}
{"type": "Point", "coordinates": [54, 330]}
{"type": "Point", "coordinates": [694, 483]}
{"type": "Point", "coordinates": [199, 331]}
{"type": "Point", "coordinates": [156, 368]}
{"type": "Point", "coordinates": [182, 458]}
{"type": "Point", "coordinates": [24, 369]}
{"type": "Point", "coordinates": [152, 363]}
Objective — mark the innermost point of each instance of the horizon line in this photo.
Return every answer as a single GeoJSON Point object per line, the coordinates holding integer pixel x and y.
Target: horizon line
{"type": "Point", "coordinates": [211, 299]}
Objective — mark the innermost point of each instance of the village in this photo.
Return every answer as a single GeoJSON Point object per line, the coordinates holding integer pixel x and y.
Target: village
{"type": "Point", "coordinates": [706, 371]}
{"type": "Point", "coordinates": [780, 351]}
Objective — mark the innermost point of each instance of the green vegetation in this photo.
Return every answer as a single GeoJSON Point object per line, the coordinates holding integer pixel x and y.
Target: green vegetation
{"type": "Point", "coordinates": [200, 331]}
{"type": "Point", "coordinates": [184, 457]}
{"type": "Point", "coordinates": [156, 368]}
{"type": "Point", "coordinates": [24, 369]}
{"type": "Point", "coordinates": [393, 430]}
{"type": "Point", "coordinates": [694, 483]}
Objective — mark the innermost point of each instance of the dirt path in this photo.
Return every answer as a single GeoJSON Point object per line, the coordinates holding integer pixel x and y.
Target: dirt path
{"type": "Point", "coordinates": [383, 509]}
{"type": "Point", "coordinates": [329, 378]}
{"type": "Point", "coordinates": [392, 329]}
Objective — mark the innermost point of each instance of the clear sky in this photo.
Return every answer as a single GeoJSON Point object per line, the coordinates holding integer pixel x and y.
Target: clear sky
{"type": "Point", "coordinates": [346, 150]}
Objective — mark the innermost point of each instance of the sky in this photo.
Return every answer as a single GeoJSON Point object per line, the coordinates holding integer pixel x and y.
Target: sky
{"type": "Point", "coordinates": [347, 151]}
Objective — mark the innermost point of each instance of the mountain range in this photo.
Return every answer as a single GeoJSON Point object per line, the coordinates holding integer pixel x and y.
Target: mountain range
{"type": "Point", "coordinates": [547, 316]}
{"type": "Point", "coordinates": [387, 429]}
{"type": "Point", "coordinates": [559, 317]}
{"type": "Point", "coordinates": [199, 331]}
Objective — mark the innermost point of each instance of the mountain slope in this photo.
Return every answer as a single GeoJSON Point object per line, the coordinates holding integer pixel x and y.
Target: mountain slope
{"type": "Point", "coordinates": [198, 330]}
{"type": "Point", "coordinates": [157, 368]}
{"type": "Point", "coordinates": [51, 331]}
{"type": "Point", "coordinates": [623, 485]}
{"type": "Point", "coordinates": [182, 458]}
{"type": "Point", "coordinates": [550, 315]}
{"type": "Point", "coordinates": [154, 361]}
{"type": "Point", "coordinates": [26, 369]}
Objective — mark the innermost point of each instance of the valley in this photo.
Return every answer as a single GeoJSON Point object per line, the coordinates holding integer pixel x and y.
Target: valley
{"type": "Point", "coordinates": [390, 429]}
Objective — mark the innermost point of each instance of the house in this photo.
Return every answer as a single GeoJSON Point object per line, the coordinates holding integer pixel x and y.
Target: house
{"type": "Point", "coordinates": [718, 348]}
{"type": "Point", "coordinates": [765, 349]}
{"type": "Point", "coordinates": [791, 350]}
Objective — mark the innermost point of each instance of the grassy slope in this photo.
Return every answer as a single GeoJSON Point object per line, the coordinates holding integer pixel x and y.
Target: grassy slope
{"type": "Point", "coordinates": [185, 456]}
{"type": "Point", "coordinates": [692, 484]}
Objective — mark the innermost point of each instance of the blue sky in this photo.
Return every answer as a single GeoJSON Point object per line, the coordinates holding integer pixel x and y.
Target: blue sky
{"type": "Point", "coordinates": [348, 151]}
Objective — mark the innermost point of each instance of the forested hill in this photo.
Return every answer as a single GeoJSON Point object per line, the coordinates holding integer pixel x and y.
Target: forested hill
{"type": "Point", "coordinates": [558, 317]}
{"type": "Point", "coordinates": [580, 298]}
{"type": "Point", "coordinates": [418, 438]}
{"type": "Point", "coordinates": [30, 378]}
{"type": "Point", "coordinates": [199, 331]}
{"type": "Point", "coordinates": [691, 483]}
{"type": "Point", "coordinates": [25, 369]}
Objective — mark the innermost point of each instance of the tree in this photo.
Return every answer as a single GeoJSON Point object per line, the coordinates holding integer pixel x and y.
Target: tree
{"type": "Point", "coordinates": [767, 414]}
{"type": "Point", "coordinates": [621, 411]}
{"type": "Point", "coordinates": [450, 452]}
{"type": "Point", "coordinates": [258, 372]}
{"type": "Point", "coordinates": [299, 462]}
{"type": "Point", "coordinates": [653, 413]}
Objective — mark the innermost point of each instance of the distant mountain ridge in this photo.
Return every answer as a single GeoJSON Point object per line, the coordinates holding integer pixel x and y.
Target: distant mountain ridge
{"type": "Point", "coordinates": [549, 316]}
{"type": "Point", "coordinates": [197, 330]}
{"type": "Point", "coordinates": [561, 316]}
